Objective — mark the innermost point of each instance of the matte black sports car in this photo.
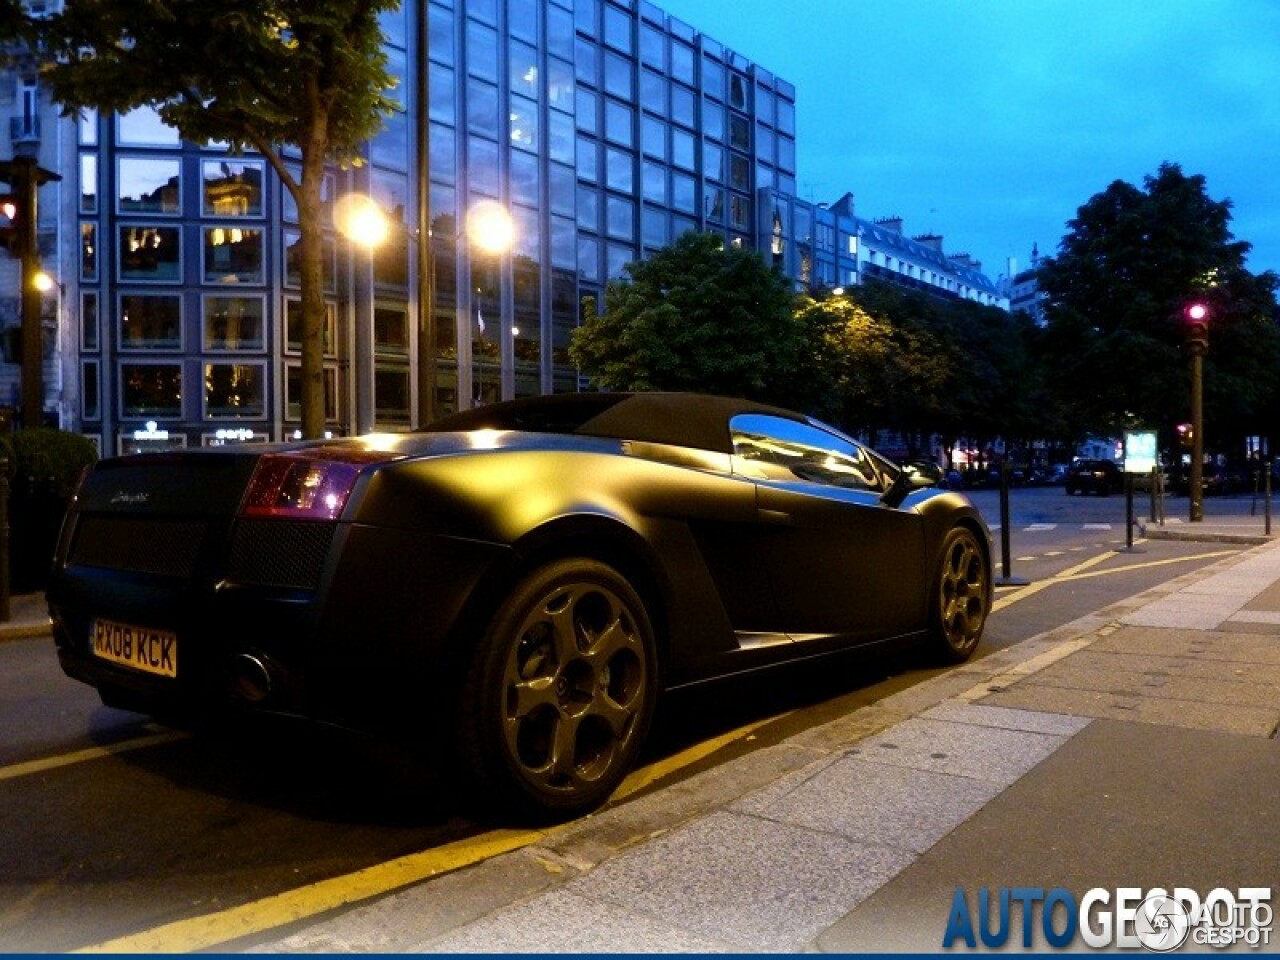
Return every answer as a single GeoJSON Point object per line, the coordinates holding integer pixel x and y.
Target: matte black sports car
{"type": "Point", "coordinates": [516, 583]}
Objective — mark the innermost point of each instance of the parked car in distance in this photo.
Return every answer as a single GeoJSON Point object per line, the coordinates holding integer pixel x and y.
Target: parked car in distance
{"type": "Point", "coordinates": [1094, 476]}
{"type": "Point", "coordinates": [510, 590]}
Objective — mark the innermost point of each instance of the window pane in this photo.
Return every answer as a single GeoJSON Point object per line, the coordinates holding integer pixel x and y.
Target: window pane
{"type": "Point", "coordinates": [682, 104]}
{"type": "Point", "coordinates": [482, 107]}
{"type": "Point", "coordinates": [482, 51]}
{"type": "Point", "coordinates": [151, 390]}
{"type": "Point", "coordinates": [683, 148]}
{"type": "Point", "coordinates": [617, 29]}
{"type": "Point", "coordinates": [620, 171]}
{"type": "Point", "coordinates": [90, 392]}
{"type": "Point", "coordinates": [391, 394]}
{"type": "Point", "coordinates": [293, 390]}
{"type": "Point", "coordinates": [150, 185]}
{"type": "Point", "coordinates": [235, 390]}
{"type": "Point", "coordinates": [88, 251]}
{"type": "Point", "coordinates": [524, 178]}
{"type": "Point", "coordinates": [88, 183]}
{"type": "Point", "coordinates": [617, 122]}
{"type": "Point", "coordinates": [150, 253]}
{"type": "Point", "coordinates": [391, 330]}
{"type": "Point", "coordinates": [144, 127]}
{"type": "Point", "coordinates": [621, 218]}
{"type": "Point", "coordinates": [524, 123]}
{"type": "Point", "coordinates": [232, 255]}
{"type": "Point", "coordinates": [232, 188]}
{"type": "Point", "coordinates": [293, 328]}
{"type": "Point", "coordinates": [617, 76]}
{"type": "Point", "coordinates": [682, 62]}
{"type": "Point", "coordinates": [89, 326]}
{"type": "Point", "coordinates": [150, 322]}
{"type": "Point", "coordinates": [523, 70]}
{"type": "Point", "coordinates": [234, 323]}
{"type": "Point", "coordinates": [440, 43]}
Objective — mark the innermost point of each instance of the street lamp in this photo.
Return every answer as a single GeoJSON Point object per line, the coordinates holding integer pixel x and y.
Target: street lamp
{"type": "Point", "coordinates": [488, 226]}
{"type": "Point", "coordinates": [1196, 334]}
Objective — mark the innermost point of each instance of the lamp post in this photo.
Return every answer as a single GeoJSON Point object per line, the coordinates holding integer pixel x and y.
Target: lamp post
{"type": "Point", "coordinates": [488, 226]}
{"type": "Point", "coordinates": [1197, 339]}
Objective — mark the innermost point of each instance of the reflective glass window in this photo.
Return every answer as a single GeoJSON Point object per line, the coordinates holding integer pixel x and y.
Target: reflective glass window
{"type": "Point", "coordinates": [654, 227]}
{"type": "Point", "coordinates": [151, 390]}
{"type": "Point", "coordinates": [87, 126]}
{"type": "Point", "coordinates": [149, 185]}
{"type": "Point", "coordinates": [713, 78]}
{"type": "Point", "coordinates": [790, 449]}
{"type": "Point", "coordinates": [442, 92]}
{"type": "Point", "coordinates": [765, 176]}
{"type": "Point", "coordinates": [391, 393]}
{"type": "Point", "coordinates": [390, 145]}
{"type": "Point", "coordinates": [234, 323]}
{"type": "Point", "coordinates": [653, 92]}
{"type": "Point", "coordinates": [589, 258]}
{"type": "Point", "coordinates": [617, 257]}
{"type": "Point", "coordinates": [149, 253]}
{"type": "Point", "coordinates": [88, 250]}
{"type": "Point", "coordinates": [560, 188]}
{"type": "Point", "coordinates": [584, 17]}
{"type": "Point", "coordinates": [618, 120]}
{"type": "Point", "coordinates": [683, 148]}
{"type": "Point", "coordinates": [653, 137]}
{"type": "Point", "coordinates": [482, 51]}
{"type": "Point", "coordinates": [232, 255]}
{"type": "Point", "coordinates": [482, 108]}
{"type": "Point", "coordinates": [560, 136]}
{"type": "Point", "coordinates": [391, 330]}
{"type": "Point", "coordinates": [560, 32]}
{"type": "Point", "coordinates": [620, 218]}
{"type": "Point", "coordinates": [482, 166]}
{"type": "Point", "coordinates": [235, 391]}
{"type": "Point", "coordinates": [737, 90]}
{"type": "Point", "coordinates": [587, 103]}
{"type": "Point", "coordinates": [764, 105]}
{"type": "Point", "coordinates": [713, 204]}
{"type": "Point", "coordinates": [440, 40]}
{"type": "Point", "coordinates": [232, 187]}
{"type": "Point", "coordinates": [653, 47]}
{"type": "Point", "coordinates": [444, 156]}
{"type": "Point", "coordinates": [617, 76]}
{"type": "Point", "coordinates": [712, 119]}
{"type": "Point", "coordinates": [143, 127]}
{"type": "Point", "coordinates": [654, 177]}
{"type": "Point", "coordinates": [739, 212]}
{"type": "Point", "coordinates": [88, 183]}
{"type": "Point", "coordinates": [586, 62]}
{"type": "Point", "coordinates": [524, 123]}
{"type": "Point", "coordinates": [620, 170]}
{"type": "Point", "coordinates": [524, 177]}
{"type": "Point", "coordinates": [588, 159]}
{"type": "Point", "coordinates": [560, 84]}
{"type": "Point", "coordinates": [293, 328]}
{"type": "Point", "coordinates": [588, 208]}
{"type": "Point", "coordinates": [89, 326]}
{"type": "Point", "coordinates": [684, 193]}
{"type": "Point", "coordinates": [712, 161]}
{"type": "Point", "coordinates": [563, 244]}
{"type": "Point", "coordinates": [739, 172]}
{"type": "Point", "coordinates": [682, 104]}
{"type": "Point", "coordinates": [522, 19]}
{"type": "Point", "coordinates": [392, 23]}
{"type": "Point", "coordinates": [150, 322]}
{"type": "Point", "coordinates": [90, 391]}
{"type": "Point", "coordinates": [617, 29]}
{"type": "Point", "coordinates": [293, 393]}
{"type": "Point", "coordinates": [682, 61]}
{"type": "Point", "coordinates": [739, 132]}
{"type": "Point", "coordinates": [486, 10]}
{"type": "Point", "coordinates": [787, 154]}
{"type": "Point", "coordinates": [523, 69]}
{"type": "Point", "coordinates": [764, 143]}
{"type": "Point", "coordinates": [786, 116]}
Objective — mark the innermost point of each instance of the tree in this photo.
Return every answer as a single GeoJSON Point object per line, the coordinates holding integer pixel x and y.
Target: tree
{"type": "Point", "coordinates": [696, 316]}
{"type": "Point", "coordinates": [263, 74]}
{"type": "Point", "coordinates": [1130, 261]}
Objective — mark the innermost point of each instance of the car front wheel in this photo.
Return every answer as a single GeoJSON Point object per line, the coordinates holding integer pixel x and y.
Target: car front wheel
{"type": "Point", "coordinates": [561, 691]}
{"type": "Point", "coordinates": [961, 596]}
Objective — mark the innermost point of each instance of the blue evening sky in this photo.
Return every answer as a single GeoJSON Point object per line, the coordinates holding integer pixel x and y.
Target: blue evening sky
{"type": "Point", "coordinates": [991, 121]}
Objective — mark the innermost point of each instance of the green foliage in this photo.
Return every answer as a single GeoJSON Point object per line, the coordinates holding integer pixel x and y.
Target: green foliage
{"type": "Point", "coordinates": [1132, 259]}
{"type": "Point", "coordinates": [45, 461]}
{"type": "Point", "coordinates": [273, 75]}
{"type": "Point", "coordinates": [696, 316]}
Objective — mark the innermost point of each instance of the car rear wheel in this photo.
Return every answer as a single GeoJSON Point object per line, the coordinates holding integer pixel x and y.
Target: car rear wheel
{"type": "Point", "coordinates": [561, 691]}
{"type": "Point", "coordinates": [962, 596]}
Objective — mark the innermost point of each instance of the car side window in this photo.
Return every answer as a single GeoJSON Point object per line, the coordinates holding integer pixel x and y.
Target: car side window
{"type": "Point", "coordinates": [800, 451]}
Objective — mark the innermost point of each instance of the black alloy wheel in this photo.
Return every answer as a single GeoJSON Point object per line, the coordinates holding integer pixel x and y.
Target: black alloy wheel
{"type": "Point", "coordinates": [561, 692]}
{"type": "Point", "coordinates": [962, 596]}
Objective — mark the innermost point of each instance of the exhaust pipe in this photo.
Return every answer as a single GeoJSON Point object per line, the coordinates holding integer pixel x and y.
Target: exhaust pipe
{"type": "Point", "coordinates": [250, 678]}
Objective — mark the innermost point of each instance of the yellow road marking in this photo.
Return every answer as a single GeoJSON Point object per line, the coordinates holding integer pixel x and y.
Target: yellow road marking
{"type": "Point", "coordinates": [210, 930]}
{"type": "Point", "coordinates": [1082, 571]}
{"type": "Point", "coordinates": [90, 753]}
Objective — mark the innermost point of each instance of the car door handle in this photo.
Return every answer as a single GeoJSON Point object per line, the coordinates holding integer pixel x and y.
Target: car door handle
{"type": "Point", "coordinates": [775, 516]}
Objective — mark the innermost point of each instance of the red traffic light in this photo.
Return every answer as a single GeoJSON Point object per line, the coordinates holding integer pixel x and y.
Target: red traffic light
{"type": "Point", "coordinates": [1196, 332]}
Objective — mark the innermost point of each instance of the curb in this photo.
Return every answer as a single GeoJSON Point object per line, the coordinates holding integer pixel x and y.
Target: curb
{"type": "Point", "coordinates": [1203, 536]}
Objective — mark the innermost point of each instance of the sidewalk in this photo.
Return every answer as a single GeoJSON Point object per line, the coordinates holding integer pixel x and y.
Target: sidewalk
{"type": "Point", "coordinates": [1132, 748]}
{"type": "Point", "coordinates": [28, 617]}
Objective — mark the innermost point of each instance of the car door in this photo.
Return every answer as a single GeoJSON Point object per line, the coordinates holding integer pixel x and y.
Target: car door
{"type": "Point", "coordinates": [841, 562]}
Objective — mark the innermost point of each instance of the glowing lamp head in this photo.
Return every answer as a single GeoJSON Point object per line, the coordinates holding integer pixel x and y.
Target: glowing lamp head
{"type": "Point", "coordinates": [362, 220]}
{"type": "Point", "coordinates": [490, 227]}
{"type": "Point", "coordinates": [1197, 311]}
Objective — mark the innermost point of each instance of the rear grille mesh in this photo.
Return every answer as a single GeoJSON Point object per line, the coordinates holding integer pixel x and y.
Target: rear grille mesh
{"type": "Point", "coordinates": [138, 544]}
{"type": "Point", "coordinates": [279, 553]}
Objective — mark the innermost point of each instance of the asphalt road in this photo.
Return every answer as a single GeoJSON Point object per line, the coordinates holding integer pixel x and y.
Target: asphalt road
{"type": "Point", "coordinates": [110, 825]}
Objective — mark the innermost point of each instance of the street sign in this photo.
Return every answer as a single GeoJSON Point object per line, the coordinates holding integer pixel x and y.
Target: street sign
{"type": "Point", "coordinates": [1139, 451]}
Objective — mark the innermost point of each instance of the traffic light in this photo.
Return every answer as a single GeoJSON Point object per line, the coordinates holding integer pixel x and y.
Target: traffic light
{"type": "Point", "coordinates": [1196, 327]}
{"type": "Point", "coordinates": [12, 227]}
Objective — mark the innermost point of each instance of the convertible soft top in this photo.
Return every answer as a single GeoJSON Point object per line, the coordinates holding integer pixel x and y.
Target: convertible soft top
{"type": "Point", "coordinates": [683, 419]}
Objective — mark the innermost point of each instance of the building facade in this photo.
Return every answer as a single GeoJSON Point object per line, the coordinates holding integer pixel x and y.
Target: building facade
{"type": "Point", "coordinates": [606, 129]}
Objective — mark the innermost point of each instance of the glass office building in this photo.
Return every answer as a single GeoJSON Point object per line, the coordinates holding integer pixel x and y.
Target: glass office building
{"type": "Point", "coordinates": [605, 128]}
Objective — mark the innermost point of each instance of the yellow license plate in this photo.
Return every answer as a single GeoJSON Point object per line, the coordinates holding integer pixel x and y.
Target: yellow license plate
{"type": "Point", "coordinates": [142, 648]}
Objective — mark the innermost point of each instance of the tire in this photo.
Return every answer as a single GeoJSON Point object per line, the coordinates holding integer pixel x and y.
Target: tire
{"type": "Point", "coordinates": [961, 597]}
{"type": "Point", "coordinates": [560, 693]}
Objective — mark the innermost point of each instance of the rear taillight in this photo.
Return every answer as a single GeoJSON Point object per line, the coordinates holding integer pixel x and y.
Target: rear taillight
{"type": "Point", "coordinates": [305, 485]}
